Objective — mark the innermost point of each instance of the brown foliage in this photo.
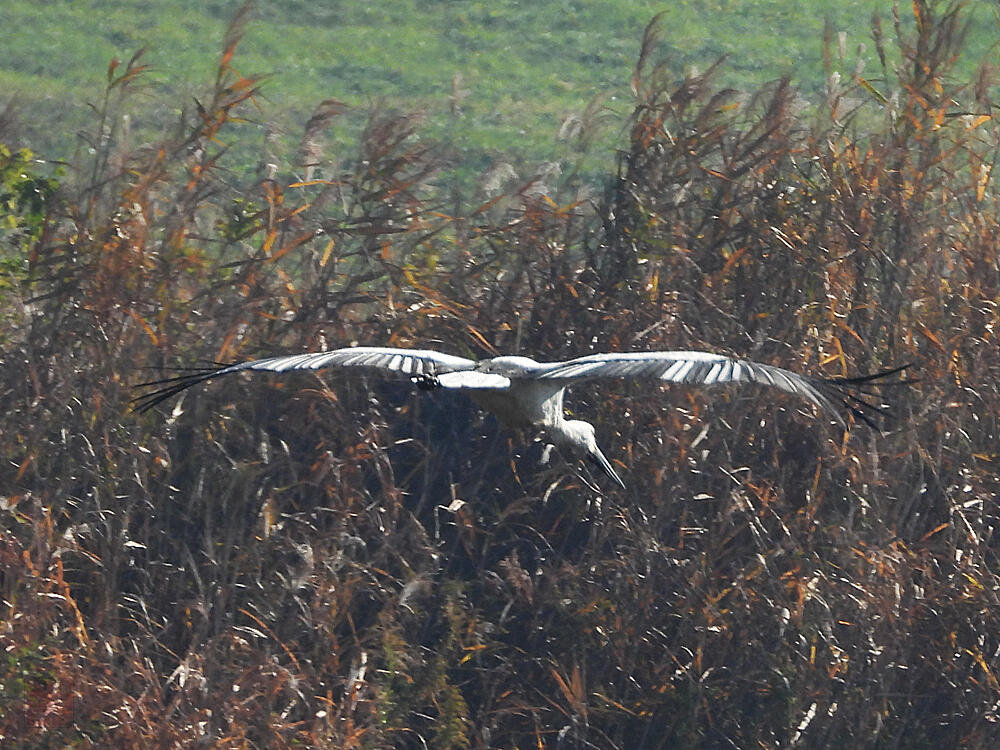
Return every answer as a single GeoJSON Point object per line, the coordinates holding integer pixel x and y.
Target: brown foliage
{"type": "Point", "coordinates": [300, 562]}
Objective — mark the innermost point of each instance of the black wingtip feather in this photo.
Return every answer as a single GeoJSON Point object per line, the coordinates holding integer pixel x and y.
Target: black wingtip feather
{"type": "Point", "coordinates": [171, 387]}
{"type": "Point", "coordinates": [875, 376]}
{"type": "Point", "coordinates": [850, 391]}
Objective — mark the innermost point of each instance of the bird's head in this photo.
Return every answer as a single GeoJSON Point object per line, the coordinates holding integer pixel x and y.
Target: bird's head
{"type": "Point", "coordinates": [581, 437]}
{"type": "Point", "coordinates": [577, 435]}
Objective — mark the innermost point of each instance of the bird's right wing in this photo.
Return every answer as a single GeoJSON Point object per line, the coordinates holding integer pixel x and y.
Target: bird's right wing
{"type": "Point", "coordinates": [833, 395]}
{"type": "Point", "coordinates": [413, 362]}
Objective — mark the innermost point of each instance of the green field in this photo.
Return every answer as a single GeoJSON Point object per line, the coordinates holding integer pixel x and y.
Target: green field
{"type": "Point", "coordinates": [338, 560]}
{"type": "Point", "coordinates": [522, 67]}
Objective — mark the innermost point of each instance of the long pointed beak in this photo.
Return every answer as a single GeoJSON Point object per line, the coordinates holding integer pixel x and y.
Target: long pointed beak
{"type": "Point", "coordinates": [598, 459]}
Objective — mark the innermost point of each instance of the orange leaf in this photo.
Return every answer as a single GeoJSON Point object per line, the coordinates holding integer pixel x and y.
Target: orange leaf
{"type": "Point", "coordinates": [287, 248]}
{"type": "Point", "coordinates": [326, 254]}
{"type": "Point", "coordinates": [24, 466]}
{"type": "Point", "coordinates": [978, 120]}
{"type": "Point", "coordinates": [269, 240]}
{"type": "Point", "coordinates": [480, 338]}
{"type": "Point", "coordinates": [145, 326]}
{"type": "Point", "coordinates": [935, 530]}
{"type": "Point", "coordinates": [872, 90]}
{"type": "Point", "coordinates": [934, 339]}
{"type": "Point", "coordinates": [734, 259]}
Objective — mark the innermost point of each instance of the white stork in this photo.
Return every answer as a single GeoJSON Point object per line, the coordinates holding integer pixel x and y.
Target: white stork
{"type": "Point", "coordinates": [525, 394]}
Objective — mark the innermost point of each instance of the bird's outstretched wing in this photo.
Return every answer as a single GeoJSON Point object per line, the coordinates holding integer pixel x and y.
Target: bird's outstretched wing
{"type": "Point", "coordinates": [412, 362]}
{"type": "Point", "coordinates": [838, 396]}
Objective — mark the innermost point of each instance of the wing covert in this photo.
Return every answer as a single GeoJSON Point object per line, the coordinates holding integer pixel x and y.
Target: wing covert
{"type": "Point", "coordinates": [474, 380]}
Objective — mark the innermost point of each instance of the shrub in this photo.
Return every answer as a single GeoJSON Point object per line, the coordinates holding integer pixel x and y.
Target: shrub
{"type": "Point", "coordinates": [324, 562]}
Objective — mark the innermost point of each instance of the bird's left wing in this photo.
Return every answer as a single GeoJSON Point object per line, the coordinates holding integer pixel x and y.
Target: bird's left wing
{"type": "Point", "coordinates": [833, 395]}
{"type": "Point", "coordinates": [413, 362]}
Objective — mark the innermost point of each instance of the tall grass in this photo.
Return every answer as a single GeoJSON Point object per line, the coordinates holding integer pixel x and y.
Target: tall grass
{"type": "Point", "coordinates": [328, 562]}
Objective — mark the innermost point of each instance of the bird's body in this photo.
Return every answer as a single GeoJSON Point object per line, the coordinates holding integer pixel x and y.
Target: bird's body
{"type": "Point", "coordinates": [525, 394]}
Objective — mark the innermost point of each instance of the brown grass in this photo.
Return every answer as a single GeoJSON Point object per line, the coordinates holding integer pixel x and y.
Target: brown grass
{"type": "Point", "coordinates": [282, 562]}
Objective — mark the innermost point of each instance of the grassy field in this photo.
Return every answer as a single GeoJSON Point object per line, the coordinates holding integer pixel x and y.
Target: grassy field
{"type": "Point", "coordinates": [343, 562]}
{"type": "Point", "coordinates": [494, 77]}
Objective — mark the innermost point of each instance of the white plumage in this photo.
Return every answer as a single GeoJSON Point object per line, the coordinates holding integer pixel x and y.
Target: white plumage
{"type": "Point", "coordinates": [525, 394]}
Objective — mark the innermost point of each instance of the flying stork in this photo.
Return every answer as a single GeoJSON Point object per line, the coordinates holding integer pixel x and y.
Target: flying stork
{"type": "Point", "coordinates": [525, 394]}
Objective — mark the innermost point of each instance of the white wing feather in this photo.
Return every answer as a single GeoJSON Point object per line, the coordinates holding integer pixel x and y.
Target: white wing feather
{"type": "Point", "coordinates": [387, 359]}
{"type": "Point", "coordinates": [413, 362]}
{"type": "Point", "coordinates": [695, 368]}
